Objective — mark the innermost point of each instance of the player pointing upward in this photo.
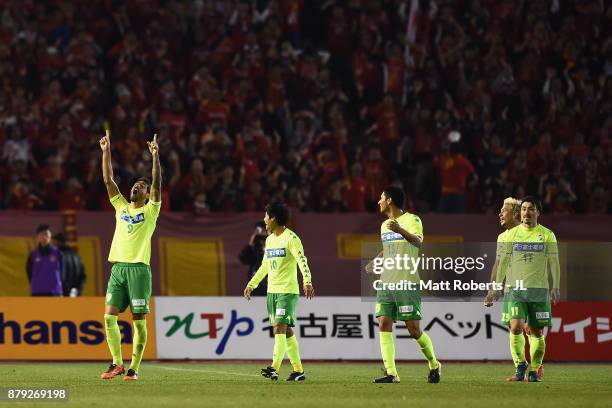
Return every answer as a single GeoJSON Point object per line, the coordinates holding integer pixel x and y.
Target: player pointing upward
{"type": "Point", "coordinates": [283, 253]}
{"type": "Point", "coordinates": [130, 254]}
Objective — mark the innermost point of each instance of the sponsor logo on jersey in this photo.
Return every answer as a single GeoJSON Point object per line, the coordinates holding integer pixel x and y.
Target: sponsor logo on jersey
{"type": "Point", "coordinates": [138, 302]}
{"type": "Point", "coordinates": [137, 219]}
{"type": "Point", "coordinates": [280, 312]}
{"type": "Point", "coordinates": [528, 247]}
{"type": "Point", "coordinates": [276, 253]}
{"type": "Point", "coordinates": [542, 315]}
{"type": "Point", "coordinates": [391, 236]}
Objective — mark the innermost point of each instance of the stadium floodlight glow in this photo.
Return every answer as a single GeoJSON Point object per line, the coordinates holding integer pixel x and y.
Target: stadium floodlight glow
{"type": "Point", "coordinates": [454, 136]}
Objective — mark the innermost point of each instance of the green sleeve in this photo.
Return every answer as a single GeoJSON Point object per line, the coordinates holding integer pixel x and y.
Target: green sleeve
{"type": "Point", "coordinates": [118, 201]}
{"type": "Point", "coordinates": [297, 250]}
{"type": "Point", "coordinates": [416, 227]}
{"type": "Point", "coordinates": [552, 252]}
{"type": "Point", "coordinates": [260, 274]}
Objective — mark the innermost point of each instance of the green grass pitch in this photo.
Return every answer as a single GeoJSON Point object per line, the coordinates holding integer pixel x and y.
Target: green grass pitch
{"type": "Point", "coordinates": [327, 385]}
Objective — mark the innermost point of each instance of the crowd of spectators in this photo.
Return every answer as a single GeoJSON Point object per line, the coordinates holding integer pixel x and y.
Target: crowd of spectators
{"type": "Point", "coordinates": [318, 103]}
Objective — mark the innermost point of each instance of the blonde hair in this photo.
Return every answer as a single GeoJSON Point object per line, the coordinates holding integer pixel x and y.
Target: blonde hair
{"type": "Point", "coordinates": [514, 203]}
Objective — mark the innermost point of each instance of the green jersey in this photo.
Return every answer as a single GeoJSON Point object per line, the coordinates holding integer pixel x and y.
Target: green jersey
{"type": "Point", "coordinates": [528, 254]}
{"type": "Point", "coordinates": [134, 228]}
{"type": "Point", "coordinates": [395, 244]}
{"type": "Point", "coordinates": [282, 255]}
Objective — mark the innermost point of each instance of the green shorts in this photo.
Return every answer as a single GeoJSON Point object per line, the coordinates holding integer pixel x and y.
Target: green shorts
{"type": "Point", "coordinates": [400, 305]}
{"type": "Point", "coordinates": [281, 308]}
{"type": "Point", "coordinates": [129, 285]}
{"type": "Point", "coordinates": [532, 306]}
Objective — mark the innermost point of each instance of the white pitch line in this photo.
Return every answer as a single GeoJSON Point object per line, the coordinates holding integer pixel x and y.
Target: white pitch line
{"type": "Point", "coordinates": [202, 371]}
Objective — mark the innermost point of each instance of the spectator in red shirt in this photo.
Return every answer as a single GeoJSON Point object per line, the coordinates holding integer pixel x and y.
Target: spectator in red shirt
{"type": "Point", "coordinates": [454, 171]}
{"type": "Point", "coordinates": [355, 192]}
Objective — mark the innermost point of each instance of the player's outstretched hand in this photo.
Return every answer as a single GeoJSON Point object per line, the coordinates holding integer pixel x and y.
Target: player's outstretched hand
{"type": "Point", "coordinates": [247, 293]}
{"type": "Point", "coordinates": [308, 291]}
{"type": "Point", "coordinates": [105, 142]}
{"type": "Point", "coordinates": [555, 296]}
{"type": "Point", "coordinates": [153, 147]}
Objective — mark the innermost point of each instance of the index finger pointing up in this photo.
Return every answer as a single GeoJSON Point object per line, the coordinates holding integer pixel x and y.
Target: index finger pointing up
{"type": "Point", "coordinates": [155, 137]}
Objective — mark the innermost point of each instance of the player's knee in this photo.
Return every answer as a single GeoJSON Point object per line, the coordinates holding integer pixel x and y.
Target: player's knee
{"type": "Point", "coordinates": [385, 324]}
{"type": "Point", "coordinates": [280, 329]}
{"type": "Point", "coordinates": [111, 310]}
{"type": "Point", "coordinates": [536, 332]}
{"type": "Point", "coordinates": [289, 332]}
{"type": "Point", "coordinates": [415, 332]}
{"type": "Point", "coordinates": [139, 316]}
{"type": "Point", "coordinates": [516, 327]}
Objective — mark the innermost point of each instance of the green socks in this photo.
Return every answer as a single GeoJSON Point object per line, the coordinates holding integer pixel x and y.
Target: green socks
{"type": "Point", "coordinates": [113, 338]}
{"type": "Point", "coordinates": [139, 343]}
{"type": "Point", "coordinates": [427, 349]}
{"type": "Point", "coordinates": [537, 346]}
{"type": "Point", "coordinates": [280, 346]}
{"type": "Point", "coordinates": [387, 350]}
{"type": "Point", "coordinates": [517, 348]}
{"type": "Point", "coordinates": [293, 351]}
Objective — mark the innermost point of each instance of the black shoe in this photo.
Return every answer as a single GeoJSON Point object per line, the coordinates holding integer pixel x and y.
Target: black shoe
{"type": "Point", "coordinates": [131, 375]}
{"type": "Point", "coordinates": [435, 374]}
{"type": "Point", "coordinates": [533, 377]}
{"type": "Point", "coordinates": [269, 372]}
{"type": "Point", "coordinates": [387, 379]}
{"type": "Point", "coordinates": [295, 376]}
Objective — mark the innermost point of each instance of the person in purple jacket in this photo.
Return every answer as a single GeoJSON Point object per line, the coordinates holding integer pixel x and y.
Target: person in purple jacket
{"type": "Point", "coordinates": [44, 266]}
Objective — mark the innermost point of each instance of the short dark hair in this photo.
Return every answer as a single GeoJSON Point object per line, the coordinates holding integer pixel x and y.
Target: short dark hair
{"type": "Point", "coordinates": [278, 211]}
{"type": "Point", "coordinates": [144, 180]}
{"type": "Point", "coordinates": [60, 237]}
{"type": "Point", "coordinates": [396, 195]}
{"type": "Point", "coordinates": [42, 227]}
{"type": "Point", "coordinates": [533, 200]}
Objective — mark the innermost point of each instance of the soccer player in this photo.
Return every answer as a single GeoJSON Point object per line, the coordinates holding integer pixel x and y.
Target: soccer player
{"type": "Point", "coordinates": [283, 253]}
{"type": "Point", "coordinates": [130, 254]}
{"type": "Point", "coordinates": [530, 250]}
{"type": "Point", "coordinates": [509, 217]}
{"type": "Point", "coordinates": [401, 234]}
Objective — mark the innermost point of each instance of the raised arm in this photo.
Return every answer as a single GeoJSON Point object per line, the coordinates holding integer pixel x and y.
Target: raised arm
{"type": "Point", "coordinates": [107, 166]}
{"type": "Point", "coordinates": [155, 171]}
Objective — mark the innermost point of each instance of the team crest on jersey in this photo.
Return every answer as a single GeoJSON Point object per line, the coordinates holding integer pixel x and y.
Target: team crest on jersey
{"type": "Point", "coordinates": [276, 253]}
{"type": "Point", "coordinates": [137, 219]}
{"type": "Point", "coordinates": [528, 247]}
{"type": "Point", "coordinates": [390, 236]}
